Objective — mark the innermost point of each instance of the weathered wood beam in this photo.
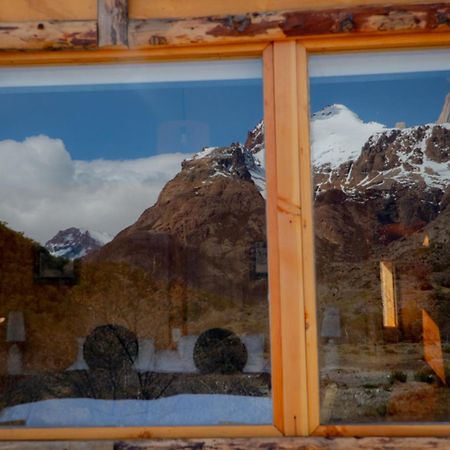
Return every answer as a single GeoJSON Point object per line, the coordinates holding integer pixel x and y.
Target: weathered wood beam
{"type": "Point", "coordinates": [288, 24]}
{"type": "Point", "coordinates": [311, 443]}
{"type": "Point", "coordinates": [48, 35]}
{"type": "Point", "coordinates": [112, 23]}
{"type": "Point", "coordinates": [170, 9]}
{"type": "Point", "coordinates": [307, 443]}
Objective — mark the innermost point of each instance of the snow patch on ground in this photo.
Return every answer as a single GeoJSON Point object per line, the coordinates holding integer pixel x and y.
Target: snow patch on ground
{"type": "Point", "coordinates": [185, 409]}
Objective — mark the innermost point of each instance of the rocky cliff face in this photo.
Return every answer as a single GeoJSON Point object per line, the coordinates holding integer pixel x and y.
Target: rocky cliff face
{"type": "Point", "coordinates": [205, 224]}
{"type": "Point", "coordinates": [386, 200]}
{"type": "Point", "coordinates": [392, 187]}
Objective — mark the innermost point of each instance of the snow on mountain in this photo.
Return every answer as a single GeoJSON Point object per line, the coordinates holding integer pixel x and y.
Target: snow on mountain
{"type": "Point", "coordinates": [225, 163]}
{"type": "Point", "coordinates": [74, 243]}
{"type": "Point", "coordinates": [338, 135]}
{"type": "Point", "coordinates": [411, 155]}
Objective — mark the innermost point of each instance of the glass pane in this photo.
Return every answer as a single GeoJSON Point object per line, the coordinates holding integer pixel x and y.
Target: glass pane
{"type": "Point", "coordinates": [133, 274]}
{"type": "Point", "coordinates": [381, 157]}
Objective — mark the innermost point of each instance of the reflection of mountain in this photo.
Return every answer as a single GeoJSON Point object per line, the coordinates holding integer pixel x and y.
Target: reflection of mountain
{"type": "Point", "coordinates": [202, 230]}
{"type": "Point", "coordinates": [75, 243]}
{"type": "Point", "coordinates": [386, 195]}
{"type": "Point", "coordinates": [394, 186]}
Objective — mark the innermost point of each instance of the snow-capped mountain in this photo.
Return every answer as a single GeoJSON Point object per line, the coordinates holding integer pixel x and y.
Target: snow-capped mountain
{"type": "Point", "coordinates": [207, 222]}
{"type": "Point", "coordinates": [351, 155]}
{"type": "Point", "coordinates": [74, 243]}
{"type": "Point", "coordinates": [338, 135]}
{"type": "Point", "coordinates": [239, 159]}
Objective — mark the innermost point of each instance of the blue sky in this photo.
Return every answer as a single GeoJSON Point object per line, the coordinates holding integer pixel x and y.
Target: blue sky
{"type": "Point", "coordinates": [135, 120]}
{"type": "Point", "coordinates": [414, 98]}
{"type": "Point", "coordinates": [140, 120]}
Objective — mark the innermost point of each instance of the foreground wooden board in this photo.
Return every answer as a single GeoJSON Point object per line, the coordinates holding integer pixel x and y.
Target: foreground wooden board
{"type": "Point", "coordinates": [247, 444]}
{"type": "Point", "coordinates": [165, 9]}
{"type": "Point", "coordinates": [48, 35]}
{"type": "Point", "coordinates": [278, 25]}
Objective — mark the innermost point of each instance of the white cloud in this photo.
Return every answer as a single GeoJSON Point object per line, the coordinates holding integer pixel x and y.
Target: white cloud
{"type": "Point", "coordinates": [42, 190]}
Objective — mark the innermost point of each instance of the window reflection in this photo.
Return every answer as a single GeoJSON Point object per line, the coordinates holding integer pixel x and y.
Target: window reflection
{"type": "Point", "coordinates": [381, 157]}
{"type": "Point", "coordinates": [133, 266]}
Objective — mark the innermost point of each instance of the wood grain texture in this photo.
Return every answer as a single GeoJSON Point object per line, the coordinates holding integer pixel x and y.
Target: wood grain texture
{"type": "Point", "coordinates": [361, 42]}
{"type": "Point", "coordinates": [295, 404]}
{"type": "Point", "coordinates": [289, 24]}
{"type": "Point", "coordinates": [308, 443]}
{"type": "Point", "coordinates": [308, 279]}
{"type": "Point", "coordinates": [30, 10]}
{"type": "Point", "coordinates": [170, 9]}
{"type": "Point", "coordinates": [48, 35]}
{"type": "Point", "coordinates": [130, 433]}
{"type": "Point", "coordinates": [119, 55]}
{"type": "Point", "coordinates": [112, 23]}
{"type": "Point", "coordinates": [61, 445]}
{"type": "Point", "coordinates": [273, 238]}
{"type": "Point", "coordinates": [293, 444]}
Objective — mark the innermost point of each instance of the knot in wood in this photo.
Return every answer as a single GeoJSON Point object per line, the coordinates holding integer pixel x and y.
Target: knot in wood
{"type": "Point", "coordinates": [346, 25]}
{"type": "Point", "coordinates": [157, 40]}
{"type": "Point", "coordinates": [238, 23]}
{"type": "Point", "coordinates": [443, 18]}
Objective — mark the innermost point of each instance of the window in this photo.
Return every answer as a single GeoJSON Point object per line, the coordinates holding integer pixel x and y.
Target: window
{"type": "Point", "coordinates": [380, 166]}
{"type": "Point", "coordinates": [264, 299]}
{"type": "Point", "coordinates": [134, 254]}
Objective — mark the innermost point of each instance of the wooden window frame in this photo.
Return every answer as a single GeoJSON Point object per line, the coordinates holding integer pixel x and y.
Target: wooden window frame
{"type": "Point", "coordinates": [327, 45]}
{"type": "Point", "coordinates": [293, 326]}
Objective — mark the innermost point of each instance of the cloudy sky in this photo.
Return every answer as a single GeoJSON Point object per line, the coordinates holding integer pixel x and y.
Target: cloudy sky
{"type": "Point", "coordinates": [95, 156]}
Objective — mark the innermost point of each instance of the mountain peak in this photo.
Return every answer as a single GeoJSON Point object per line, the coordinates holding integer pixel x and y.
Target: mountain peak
{"type": "Point", "coordinates": [73, 243]}
{"type": "Point", "coordinates": [338, 135]}
{"type": "Point", "coordinates": [244, 161]}
{"type": "Point", "coordinates": [444, 117]}
{"type": "Point", "coordinates": [334, 110]}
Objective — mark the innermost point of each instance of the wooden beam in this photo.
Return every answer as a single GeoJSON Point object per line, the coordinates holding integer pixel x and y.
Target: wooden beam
{"type": "Point", "coordinates": [132, 433]}
{"type": "Point", "coordinates": [273, 238]}
{"type": "Point", "coordinates": [48, 35]}
{"type": "Point", "coordinates": [171, 9]}
{"type": "Point", "coordinates": [308, 280]}
{"type": "Point", "coordinates": [30, 10]}
{"type": "Point", "coordinates": [289, 221]}
{"type": "Point", "coordinates": [112, 23]}
{"type": "Point", "coordinates": [120, 55]}
{"type": "Point", "coordinates": [289, 24]}
{"type": "Point", "coordinates": [383, 443]}
{"type": "Point", "coordinates": [281, 443]}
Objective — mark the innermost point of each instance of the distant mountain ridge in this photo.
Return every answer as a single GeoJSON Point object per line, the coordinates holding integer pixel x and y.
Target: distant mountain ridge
{"type": "Point", "coordinates": [73, 243]}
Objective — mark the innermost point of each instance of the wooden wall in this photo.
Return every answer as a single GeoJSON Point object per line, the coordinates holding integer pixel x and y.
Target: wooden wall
{"type": "Point", "coordinates": [30, 26]}
{"type": "Point", "coordinates": [86, 24]}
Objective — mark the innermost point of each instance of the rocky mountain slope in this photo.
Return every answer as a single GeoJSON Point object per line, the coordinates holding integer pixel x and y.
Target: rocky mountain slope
{"type": "Point", "coordinates": [389, 200]}
{"type": "Point", "coordinates": [203, 229]}
{"type": "Point", "coordinates": [74, 243]}
{"type": "Point", "coordinates": [392, 187]}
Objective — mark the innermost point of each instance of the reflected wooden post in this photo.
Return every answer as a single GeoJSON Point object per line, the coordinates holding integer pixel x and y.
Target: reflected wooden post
{"type": "Point", "coordinates": [432, 349]}
{"type": "Point", "coordinates": [388, 294]}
